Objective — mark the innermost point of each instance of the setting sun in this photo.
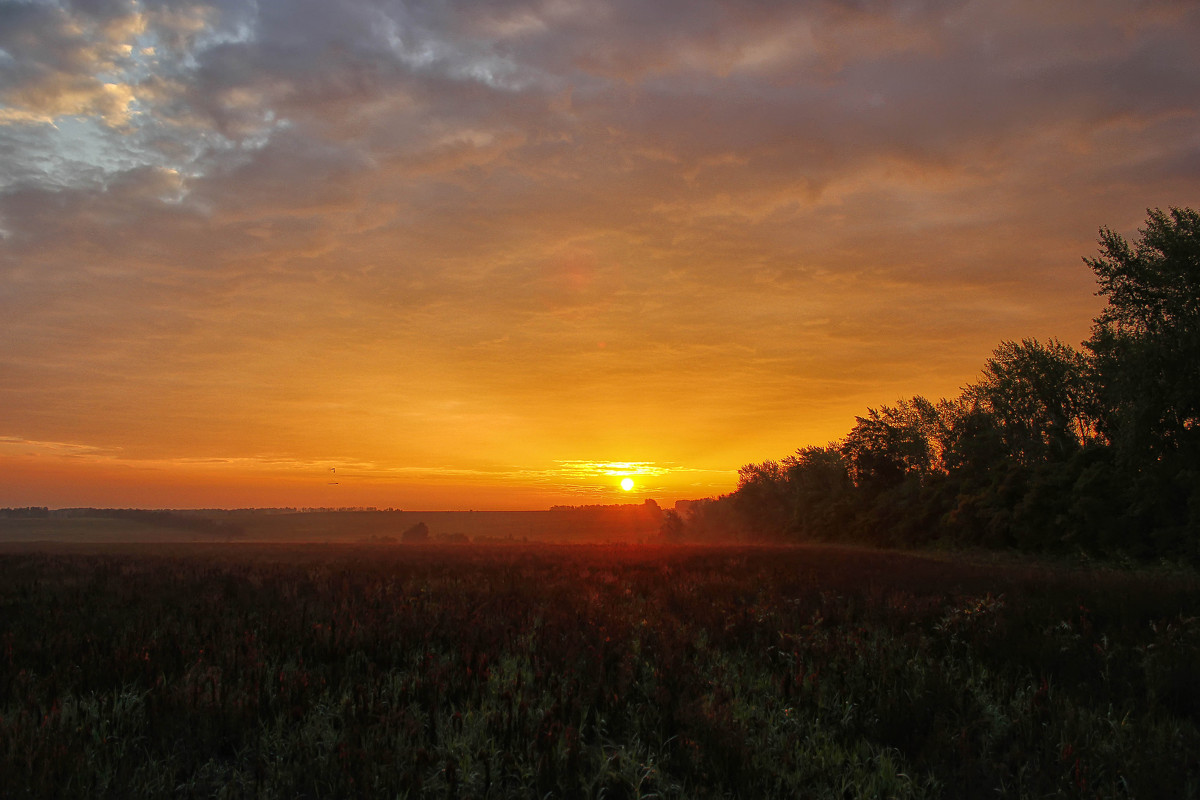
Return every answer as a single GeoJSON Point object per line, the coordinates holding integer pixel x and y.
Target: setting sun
{"type": "Point", "coordinates": [627, 484]}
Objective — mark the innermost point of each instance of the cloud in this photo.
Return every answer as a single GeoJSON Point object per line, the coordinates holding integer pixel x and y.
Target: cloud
{"type": "Point", "coordinates": [542, 228]}
{"type": "Point", "coordinates": [13, 445]}
{"type": "Point", "coordinates": [61, 63]}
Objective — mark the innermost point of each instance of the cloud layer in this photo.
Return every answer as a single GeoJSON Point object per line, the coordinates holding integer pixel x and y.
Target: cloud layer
{"type": "Point", "coordinates": [488, 240]}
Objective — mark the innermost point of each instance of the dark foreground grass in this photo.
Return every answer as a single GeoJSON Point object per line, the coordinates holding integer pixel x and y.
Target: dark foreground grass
{"type": "Point", "coordinates": [584, 672]}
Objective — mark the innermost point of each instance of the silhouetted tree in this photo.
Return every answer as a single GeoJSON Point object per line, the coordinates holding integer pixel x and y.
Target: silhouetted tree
{"type": "Point", "coordinates": [973, 443]}
{"type": "Point", "coordinates": [714, 519]}
{"type": "Point", "coordinates": [763, 498]}
{"type": "Point", "coordinates": [821, 492]}
{"type": "Point", "coordinates": [894, 442]}
{"type": "Point", "coordinates": [652, 510]}
{"type": "Point", "coordinates": [1041, 396]}
{"type": "Point", "coordinates": [672, 527]}
{"type": "Point", "coordinates": [1147, 338]}
{"type": "Point", "coordinates": [1052, 449]}
{"type": "Point", "coordinates": [416, 533]}
{"type": "Point", "coordinates": [1146, 344]}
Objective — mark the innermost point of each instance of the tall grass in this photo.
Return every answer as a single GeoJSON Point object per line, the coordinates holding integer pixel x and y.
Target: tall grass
{"type": "Point", "coordinates": [591, 672]}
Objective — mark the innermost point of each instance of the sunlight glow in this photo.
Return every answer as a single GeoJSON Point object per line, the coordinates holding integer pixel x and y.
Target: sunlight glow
{"type": "Point", "coordinates": [627, 484]}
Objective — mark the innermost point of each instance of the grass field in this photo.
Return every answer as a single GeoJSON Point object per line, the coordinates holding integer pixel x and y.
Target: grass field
{"type": "Point", "coordinates": [326, 671]}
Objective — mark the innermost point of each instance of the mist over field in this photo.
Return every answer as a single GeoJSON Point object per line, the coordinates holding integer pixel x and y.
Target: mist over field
{"type": "Point", "coordinates": [629, 523]}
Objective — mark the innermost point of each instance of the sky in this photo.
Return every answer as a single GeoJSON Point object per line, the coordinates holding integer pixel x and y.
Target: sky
{"type": "Point", "coordinates": [500, 255]}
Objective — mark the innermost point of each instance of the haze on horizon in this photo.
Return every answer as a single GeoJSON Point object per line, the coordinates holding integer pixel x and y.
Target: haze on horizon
{"type": "Point", "coordinates": [460, 255]}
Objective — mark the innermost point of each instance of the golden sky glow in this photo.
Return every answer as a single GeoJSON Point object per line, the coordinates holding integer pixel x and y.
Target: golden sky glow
{"type": "Point", "coordinates": [502, 255]}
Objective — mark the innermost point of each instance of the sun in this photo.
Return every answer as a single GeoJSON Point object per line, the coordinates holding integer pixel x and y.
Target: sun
{"type": "Point", "coordinates": [626, 484]}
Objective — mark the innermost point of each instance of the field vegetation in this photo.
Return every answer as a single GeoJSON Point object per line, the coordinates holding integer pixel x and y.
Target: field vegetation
{"type": "Point", "coordinates": [425, 671]}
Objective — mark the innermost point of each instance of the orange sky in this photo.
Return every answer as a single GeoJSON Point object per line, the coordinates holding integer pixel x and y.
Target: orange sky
{"type": "Point", "coordinates": [500, 255]}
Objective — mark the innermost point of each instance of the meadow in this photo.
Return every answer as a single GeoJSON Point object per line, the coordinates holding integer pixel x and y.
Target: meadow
{"type": "Point", "coordinates": [255, 670]}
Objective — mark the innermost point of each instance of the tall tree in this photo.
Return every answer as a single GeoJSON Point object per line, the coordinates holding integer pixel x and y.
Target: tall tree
{"type": "Point", "coordinates": [763, 497]}
{"type": "Point", "coordinates": [821, 489]}
{"type": "Point", "coordinates": [972, 440]}
{"type": "Point", "coordinates": [1040, 396]}
{"type": "Point", "coordinates": [1147, 339]}
{"type": "Point", "coordinates": [888, 445]}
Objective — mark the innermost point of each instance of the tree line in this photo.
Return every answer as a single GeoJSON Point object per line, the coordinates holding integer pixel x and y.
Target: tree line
{"type": "Point", "coordinates": [1052, 449]}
